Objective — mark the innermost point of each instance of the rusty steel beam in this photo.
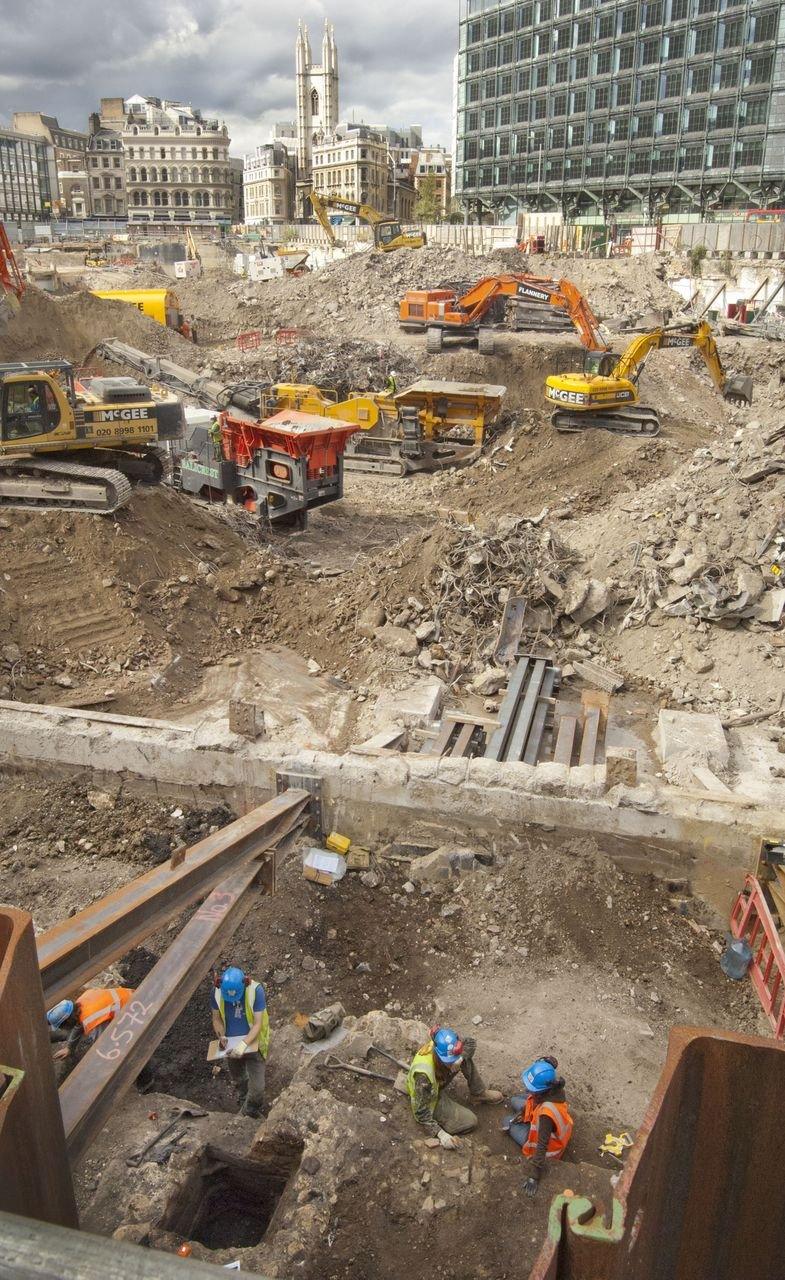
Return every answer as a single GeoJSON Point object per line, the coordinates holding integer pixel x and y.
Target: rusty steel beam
{"type": "Point", "coordinates": [91, 1092]}
{"type": "Point", "coordinates": [35, 1178]}
{"type": "Point", "coordinates": [74, 951]}
{"type": "Point", "coordinates": [699, 1195]}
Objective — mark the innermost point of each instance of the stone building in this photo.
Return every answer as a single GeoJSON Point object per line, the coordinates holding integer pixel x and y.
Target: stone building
{"type": "Point", "coordinates": [317, 103]}
{"type": "Point", "coordinates": [435, 164]}
{"type": "Point", "coordinates": [268, 185]}
{"type": "Point", "coordinates": [352, 163]}
{"type": "Point", "coordinates": [72, 196]}
{"type": "Point", "coordinates": [176, 164]}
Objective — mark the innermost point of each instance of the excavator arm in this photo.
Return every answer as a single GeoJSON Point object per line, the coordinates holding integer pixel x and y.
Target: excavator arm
{"type": "Point", "coordinates": [319, 206]}
{"type": "Point", "coordinates": [558, 293]}
{"type": "Point", "coordinates": [700, 336]}
{"type": "Point", "coordinates": [12, 286]}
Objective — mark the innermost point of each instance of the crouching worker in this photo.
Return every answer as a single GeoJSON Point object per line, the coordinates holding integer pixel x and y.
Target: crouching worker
{"type": "Point", "coordinates": [540, 1123]}
{"type": "Point", "coordinates": [432, 1069]}
{"type": "Point", "coordinates": [77, 1024]}
{"type": "Point", "coordinates": [239, 1008]}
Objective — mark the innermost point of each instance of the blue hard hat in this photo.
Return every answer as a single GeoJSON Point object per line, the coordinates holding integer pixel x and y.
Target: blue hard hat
{"type": "Point", "coordinates": [232, 983]}
{"type": "Point", "coordinates": [447, 1045]}
{"type": "Point", "coordinates": [539, 1076]}
{"type": "Point", "coordinates": [57, 1016]}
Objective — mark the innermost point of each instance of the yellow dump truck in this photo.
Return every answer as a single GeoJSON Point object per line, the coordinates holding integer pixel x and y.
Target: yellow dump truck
{"type": "Point", "coordinates": [161, 305]}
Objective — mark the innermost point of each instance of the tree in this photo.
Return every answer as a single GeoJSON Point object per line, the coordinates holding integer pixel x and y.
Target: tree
{"type": "Point", "coordinates": [429, 202]}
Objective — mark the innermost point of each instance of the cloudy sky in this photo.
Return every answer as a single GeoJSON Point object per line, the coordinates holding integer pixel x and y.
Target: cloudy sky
{"type": "Point", "coordinates": [234, 58]}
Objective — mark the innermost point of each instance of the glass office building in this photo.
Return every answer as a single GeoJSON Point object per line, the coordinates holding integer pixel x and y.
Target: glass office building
{"type": "Point", "coordinates": [620, 107]}
{"type": "Point", "coordinates": [28, 178]}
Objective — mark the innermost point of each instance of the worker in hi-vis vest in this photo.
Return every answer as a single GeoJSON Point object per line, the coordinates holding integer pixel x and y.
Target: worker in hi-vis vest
{"type": "Point", "coordinates": [540, 1123]}
{"type": "Point", "coordinates": [432, 1070]}
{"type": "Point", "coordinates": [77, 1024]}
{"type": "Point", "coordinates": [239, 1008]}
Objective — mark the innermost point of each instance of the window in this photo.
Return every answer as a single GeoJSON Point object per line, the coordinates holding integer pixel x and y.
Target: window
{"type": "Point", "coordinates": [640, 162]}
{"type": "Point", "coordinates": [704, 39]}
{"type": "Point", "coordinates": [579, 101]}
{"type": "Point", "coordinates": [604, 61]}
{"type": "Point", "coordinates": [560, 104]}
{"type": "Point", "coordinates": [720, 155]}
{"type": "Point", "coordinates": [503, 148]}
{"type": "Point", "coordinates": [626, 57]}
{"type": "Point", "coordinates": [670, 122]}
{"type": "Point", "coordinates": [726, 115]}
{"type": "Point", "coordinates": [606, 26]}
{"type": "Point", "coordinates": [652, 13]}
{"type": "Point", "coordinates": [491, 28]}
{"type": "Point", "coordinates": [696, 120]}
{"type": "Point", "coordinates": [650, 52]}
{"type": "Point", "coordinates": [577, 135]}
{"type": "Point", "coordinates": [558, 134]}
{"type": "Point", "coordinates": [473, 93]}
{"type": "Point", "coordinates": [677, 45]}
{"type": "Point", "coordinates": [472, 120]}
{"type": "Point", "coordinates": [602, 97]}
{"type": "Point", "coordinates": [546, 10]}
{"type": "Point", "coordinates": [521, 112]}
{"type": "Point", "coordinates": [489, 87]}
{"type": "Point", "coordinates": [751, 152]}
{"type": "Point", "coordinates": [565, 7]}
{"type": "Point", "coordinates": [765, 26]}
{"type": "Point", "coordinates": [524, 48]}
{"type": "Point", "coordinates": [489, 58]}
{"type": "Point", "coordinates": [707, 6]}
{"type": "Point", "coordinates": [644, 127]}
{"type": "Point", "coordinates": [700, 79]}
{"type": "Point", "coordinates": [629, 20]}
{"type": "Point", "coordinates": [525, 15]}
{"type": "Point", "coordinates": [540, 108]}
{"type": "Point", "coordinates": [562, 73]}
{"type": "Point", "coordinates": [489, 117]}
{"type": "Point", "coordinates": [599, 131]}
{"type": "Point", "coordinates": [647, 88]}
{"type": "Point", "coordinates": [105, 162]}
{"type": "Point", "coordinates": [583, 31]}
{"type": "Point", "coordinates": [542, 75]}
{"type": "Point", "coordinates": [486, 147]}
{"type": "Point", "coordinates": [473, 62]}
{"type": "Point", "coordinates": [581, 66]}
{"type": "Point", "coordinates": [504, 113]}
{"type": "Point", "coordinates": [664, 161]}
{"type": "Point", "coordinates": [732, 33]}
{"type": "Point", "coordinates": [729, 74]}
{"type": "Point", "coordinates": [623, 93]}
{"type": "Point", "coordinates": [621, 128]}
{"type": "Point", "coordinates": [563, 37]}
{"type": "Point", "coordinates": [116, 162]}
{"type": "Point", "coordinates": [756, 111]}
{"type": "Point", "coordinates": [760, 68]}
{"type": "Point", "coordinates": [673, 84]}
{"type": "Point", "coordinates": [692, 156]}
{"type": "Point", "coordinates": [508, 21]}
{"type": "Point", "coordinates": [505, 53]}
{"type": "Point", "coordinates": [29, 409]}
{"type": "Point", "coordinates": [474, 32]}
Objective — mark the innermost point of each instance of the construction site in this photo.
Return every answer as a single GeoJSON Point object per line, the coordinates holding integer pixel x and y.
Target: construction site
{"type": "Point", "coordinates": [404, 630]}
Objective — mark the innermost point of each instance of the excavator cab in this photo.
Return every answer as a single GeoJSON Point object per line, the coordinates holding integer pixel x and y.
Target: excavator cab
{"type": "Point", "coordinates": [33, 406]}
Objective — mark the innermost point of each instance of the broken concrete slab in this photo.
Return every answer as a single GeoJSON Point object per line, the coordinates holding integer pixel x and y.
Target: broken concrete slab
{"type": "Point", "coordinates": [694, 735]}
{"type": "Point", "coordinates": [415, 706]}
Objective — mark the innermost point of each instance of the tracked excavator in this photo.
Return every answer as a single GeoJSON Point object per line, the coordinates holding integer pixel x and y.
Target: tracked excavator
{"type": "Point", "coordinates": [608, 397]}
{"type": "Point", "coordinates": [12, 286]}
{"type": "Point", "coordinates": [423, 427]}
{"type": "Point", "coordinates": [387, 233]}
{"type": "Point", "coordinates": [443, 313]}
{"type": "Point", "coordinates": [75, 445]}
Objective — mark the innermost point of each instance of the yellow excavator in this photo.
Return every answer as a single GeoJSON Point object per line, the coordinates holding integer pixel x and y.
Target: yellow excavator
{"type": "Point", "coordinates": [607, 394]}
{"type": "Point", "coordinates": [387, 233]}
{"type": "Point", "coordinates": [74, 445]}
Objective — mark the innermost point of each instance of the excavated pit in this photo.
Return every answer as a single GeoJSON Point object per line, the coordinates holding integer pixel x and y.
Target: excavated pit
{"type": "Point", "coordinates": [226, 1201]}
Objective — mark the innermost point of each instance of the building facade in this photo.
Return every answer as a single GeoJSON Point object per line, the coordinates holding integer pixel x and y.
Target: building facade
{"type": "Point", "coordinates": [28, 178]}
{"type": "Point", "coordinates": [236, 172]}
{"type": "Point", "coordinates": [620, 107]}
{"type": "Point", "coordinates": [434, 170]}
{"type": "Point", "coordinates": [176, 164]}
{"type": "Point", "coordinates": [353, 164]}
{"type": "Point", "coordinates": [72, 198]}
{"type": "Point", "coordinates": [268, 185]}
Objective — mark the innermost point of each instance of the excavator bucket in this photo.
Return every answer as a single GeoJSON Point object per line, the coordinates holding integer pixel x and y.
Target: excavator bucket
{"type": "Point", "coordinates": [738, 390]}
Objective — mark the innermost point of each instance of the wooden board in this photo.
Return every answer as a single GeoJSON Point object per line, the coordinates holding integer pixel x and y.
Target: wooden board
{"type": "Point", "coordinates": [591, 729]}
{"type": "Point", "coordinates": [463, 740]}
{"type": "Point", "coordinates": [438, 746]}
{"type": "Point", "coordinates": [565, 739]}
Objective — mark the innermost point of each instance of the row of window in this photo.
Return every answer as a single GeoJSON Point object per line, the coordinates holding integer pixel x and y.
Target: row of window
{"type": "Point", "coordinates": [727, 34]}
{"type": "Point", "coordinates": [619, 129]}
{"type": "Point", "coordinates": [719, 155]}
{"type": "Point", "coordinates": [173, 153]}
{"type": "Point", "coordinates": [630, 17]}
{"type": "Point", "coordinates": [181, 199]}
{"type": "Point", "coordinates": [177, 175]}
{"type": "Point", "coordinates": [103, 162]}
{"type": "Point", "coordinates": [604, 97]}
{"type": "Point", "coordinates": [756, 69]}
{"type": "Point", "coordinates": [118, 182]}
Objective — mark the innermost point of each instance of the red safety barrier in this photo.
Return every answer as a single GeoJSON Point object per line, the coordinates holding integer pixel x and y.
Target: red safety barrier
{"type": "Point", "coordinates": [248, 340]}
{"type": "Point", "coordinates": [752, 921]}
{"type": "Point", "coordinates": [287, 335]}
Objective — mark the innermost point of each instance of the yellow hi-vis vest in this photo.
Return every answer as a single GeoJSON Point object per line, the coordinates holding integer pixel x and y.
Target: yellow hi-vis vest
{"type": "Point", "coordinates": [250, 996]}
{"type": "Point", "coordinates": [422, 1064]}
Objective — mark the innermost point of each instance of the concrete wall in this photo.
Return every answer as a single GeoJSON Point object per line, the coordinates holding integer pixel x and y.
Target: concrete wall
{"type": "Point", "coordinates": [385, 795]}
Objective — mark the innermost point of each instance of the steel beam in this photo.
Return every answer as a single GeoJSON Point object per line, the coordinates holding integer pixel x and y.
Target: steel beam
{"type": "Point", "coordinates": [91, 1092]}
{"type": "Point", "coordinates": [73, 952]}
{"type": "Point", "coordinates": [35, 1179]}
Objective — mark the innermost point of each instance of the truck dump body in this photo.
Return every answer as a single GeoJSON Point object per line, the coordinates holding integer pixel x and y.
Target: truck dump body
{"type": "Point", "coordinates": [697, 1199]}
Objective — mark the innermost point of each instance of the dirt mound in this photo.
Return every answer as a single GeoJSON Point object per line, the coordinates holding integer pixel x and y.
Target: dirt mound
{"type": "Point", "coordinates": [68, 328]}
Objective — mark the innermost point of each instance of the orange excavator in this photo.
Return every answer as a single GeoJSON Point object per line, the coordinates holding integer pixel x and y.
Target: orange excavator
{"type": "Point", "coordinates": [12, 286]}
{"type": "Point", "coordinates": [468, 317]}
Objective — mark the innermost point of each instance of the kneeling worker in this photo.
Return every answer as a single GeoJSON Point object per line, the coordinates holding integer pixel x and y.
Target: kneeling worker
{"type": "Point", "coordinates": [83, 1019]}
{"type": "Point", "coordinates": [432, 1069]}
{"type": "Point", "coordinates": [540, 1124]}
{"type": "Point", "coordinates": [239, 1008]}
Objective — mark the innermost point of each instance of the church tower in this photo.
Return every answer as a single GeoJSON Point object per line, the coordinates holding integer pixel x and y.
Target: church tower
{"type": "Point", "coordinates": [317, 94]}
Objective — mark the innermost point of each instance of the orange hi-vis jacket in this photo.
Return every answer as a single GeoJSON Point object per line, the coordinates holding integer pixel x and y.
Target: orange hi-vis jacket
{"type": "Point", "coordinates": [562, 1127]}
{"type": "Point", "coordinates": [100, 1004]}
